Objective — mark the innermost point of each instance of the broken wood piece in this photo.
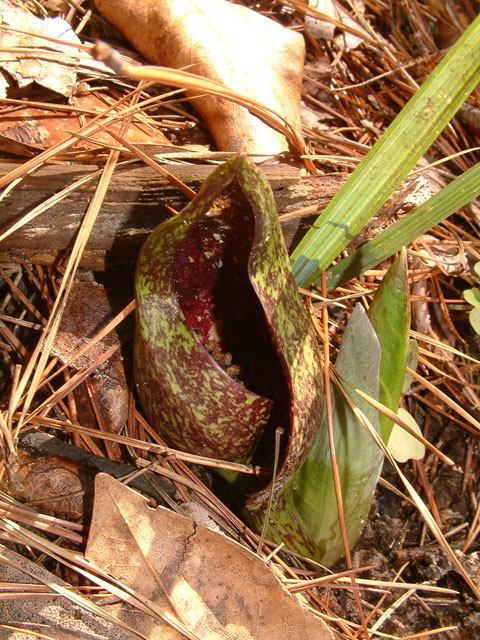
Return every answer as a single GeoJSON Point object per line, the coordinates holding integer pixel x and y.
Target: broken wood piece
{"type": "Point", "coordinates": [43, 445]}
{"type": "Point", "coordinates": [138, 199]}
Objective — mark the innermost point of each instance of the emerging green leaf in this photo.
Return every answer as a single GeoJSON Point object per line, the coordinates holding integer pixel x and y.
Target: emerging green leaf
{"type": "Point", "coordinates": [401, 444]}
{"type": "Point", "coordinates": [412, 363]}
{"type": "Point", "coordinates": [304, 514]}
{"type": "Point", "coordinates": [389, 314]}
{"type": "Point", "coordinates": [359, 458]}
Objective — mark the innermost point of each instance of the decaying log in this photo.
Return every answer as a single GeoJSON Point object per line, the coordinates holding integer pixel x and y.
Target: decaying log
{"type": "Point", "coordinates": [136, 202]}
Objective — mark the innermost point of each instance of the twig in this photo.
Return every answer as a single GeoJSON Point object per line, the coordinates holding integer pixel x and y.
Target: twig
{"type": "Point", "coordinates": [41, 443]}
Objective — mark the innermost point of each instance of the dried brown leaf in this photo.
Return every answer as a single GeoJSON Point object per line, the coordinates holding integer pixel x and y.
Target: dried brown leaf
{"type": "Point", "coordinates": [54, 484]}
{"type": "Point", "coordinates": [51, 69]}
{"type": "Point", "coordinates": [227, 43]}
{"type": "Point", "coordinates": [88, 307]}
{"type": "Point", "coordinates": [54, 616]}
{"type": "Point", "coordinates": [29, 129]}
{"type": "Point", "coordinates": [216, 587]}
{"type": "Point", "coordinates": [321, 28]}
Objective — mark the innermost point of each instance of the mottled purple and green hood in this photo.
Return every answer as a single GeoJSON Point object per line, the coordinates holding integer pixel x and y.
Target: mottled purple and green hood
{"type": "Point", "coordinates": [224, 350]}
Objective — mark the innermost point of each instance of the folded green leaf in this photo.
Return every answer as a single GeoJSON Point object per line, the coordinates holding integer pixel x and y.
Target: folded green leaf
{"type": "Point", "coordinates": [412, 363]}
{"type": "Point", "coordinates": [389, 314]}
{"type": "Point", "coordinates": [312, 526]}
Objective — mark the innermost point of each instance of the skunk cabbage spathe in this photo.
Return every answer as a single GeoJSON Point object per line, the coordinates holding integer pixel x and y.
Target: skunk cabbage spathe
{"type": "Point", "coordinates": [224, 349]}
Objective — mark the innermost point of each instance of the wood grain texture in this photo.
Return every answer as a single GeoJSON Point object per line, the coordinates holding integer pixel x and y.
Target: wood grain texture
{"type": "Point", "coordinates": [136, 202]}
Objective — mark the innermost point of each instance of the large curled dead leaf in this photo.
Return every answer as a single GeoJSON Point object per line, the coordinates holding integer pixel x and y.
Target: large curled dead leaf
{"type": "Point", "coordinates": [227, 43]}
{"type": "Point", "coordinates": [224, 350]}
{"type": "Point", "coordinates": [211, 584]}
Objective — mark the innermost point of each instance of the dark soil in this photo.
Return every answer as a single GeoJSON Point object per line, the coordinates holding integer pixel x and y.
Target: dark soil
{"type": "Point", "coordinates": [395, 537]}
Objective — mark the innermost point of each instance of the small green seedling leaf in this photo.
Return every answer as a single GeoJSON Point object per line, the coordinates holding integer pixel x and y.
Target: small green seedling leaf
{"type": "Point", "coordinates": [389, 314]}
{"type": "Point", "coordinates": [474, 317]}
{"type": "Point", "coordinates": [472, 296]}
{"type": "Point", "coordinates": [401, 444]}
{"type": "Point", "coordinates": [412, 363]}
{"type": "Point", "coordinates": [476, 268]}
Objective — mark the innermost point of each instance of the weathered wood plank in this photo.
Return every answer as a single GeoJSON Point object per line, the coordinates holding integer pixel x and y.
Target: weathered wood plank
{"type": "Point", "coordinates": [136, 202]}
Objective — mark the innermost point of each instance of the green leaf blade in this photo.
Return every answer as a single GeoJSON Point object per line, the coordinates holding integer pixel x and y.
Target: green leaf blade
{"type": "Point", "coordinates": [359, 458]}
{"type": "Point", "coordinates": [389, 314]}
{"type": "Point", "coordinates": [391, 158]}
{"type": "Point", "coordinates": [455, 195]}
{"type": "Point", "coordinates": [412, 363]}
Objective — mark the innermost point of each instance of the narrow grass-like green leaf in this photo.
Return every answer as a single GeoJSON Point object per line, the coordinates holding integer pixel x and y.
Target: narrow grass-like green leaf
{"type": "Point", "coordinates": [391, 158]}
{"type": "Point", "coordinates": [389, 314]}
{"type": "Point", "coordinates": [451, 198]}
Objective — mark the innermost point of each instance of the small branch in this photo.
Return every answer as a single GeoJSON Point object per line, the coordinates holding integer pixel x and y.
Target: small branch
{"type": "Point", "coordinates": [42, 444]}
